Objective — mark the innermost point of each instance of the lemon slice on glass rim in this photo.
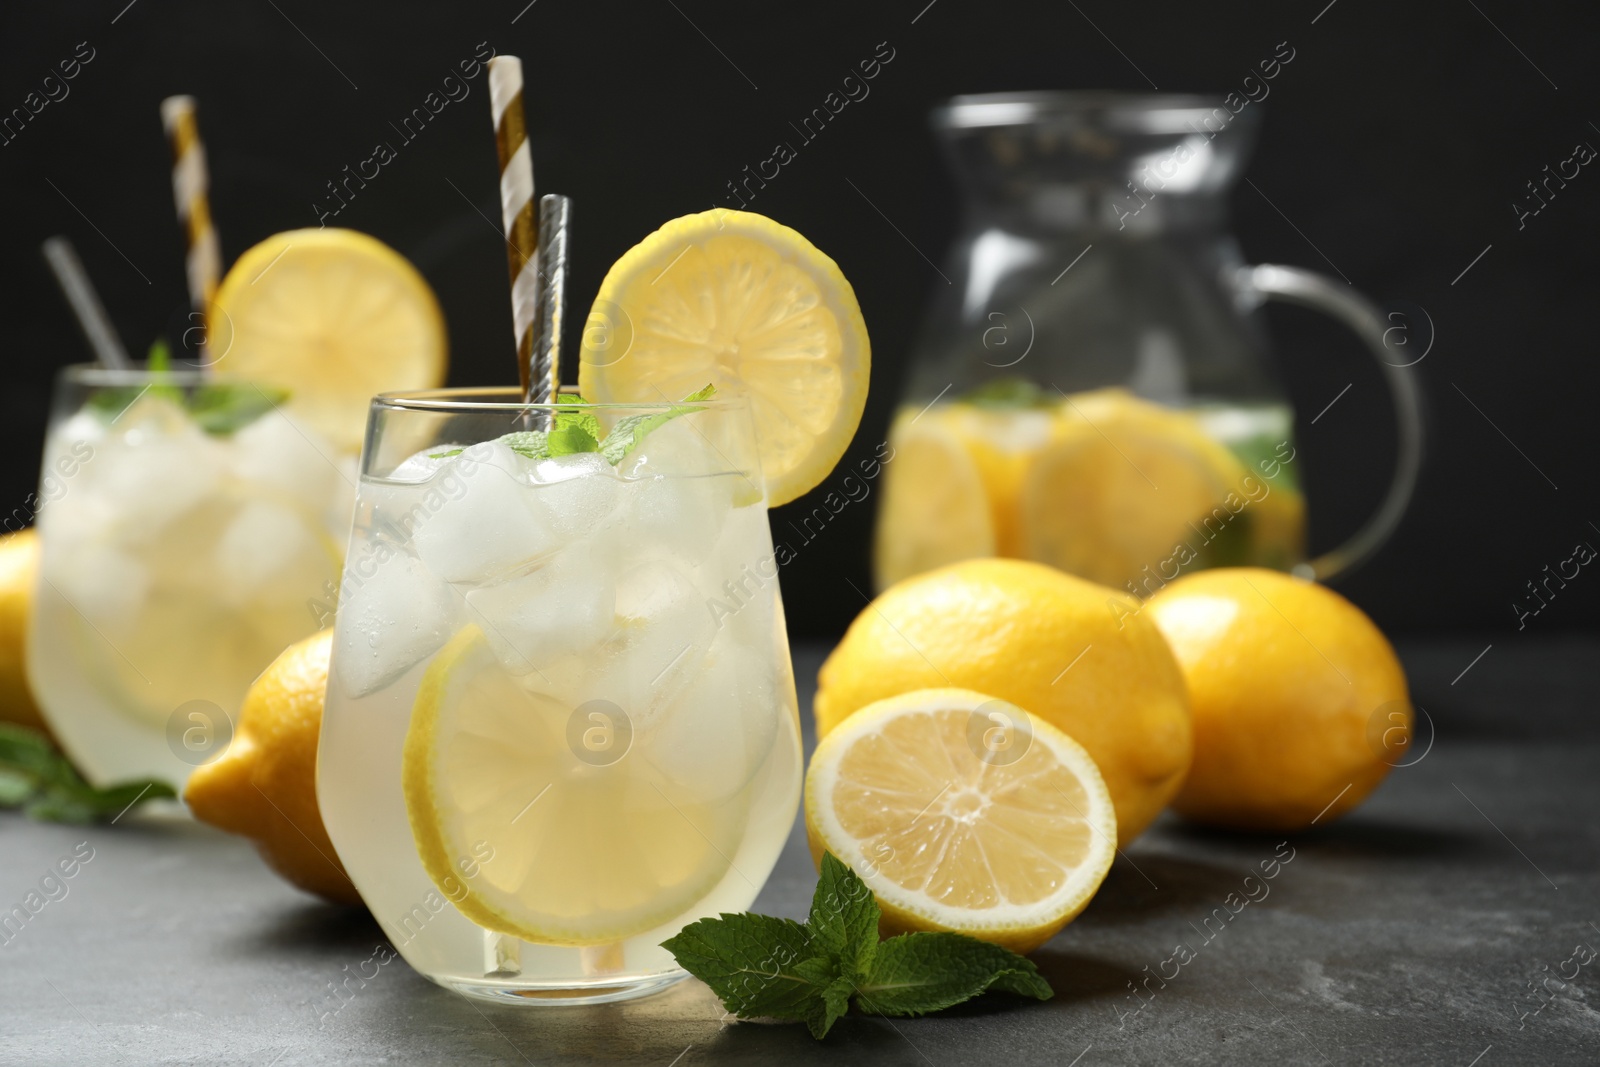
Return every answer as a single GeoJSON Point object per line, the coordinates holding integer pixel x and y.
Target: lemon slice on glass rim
{"type": "Point", "coordinates": [963, 812]}
{"type": "Point", "coordinates": [737, 300]}
{"type": "Point", "coordinates": [334, 317]}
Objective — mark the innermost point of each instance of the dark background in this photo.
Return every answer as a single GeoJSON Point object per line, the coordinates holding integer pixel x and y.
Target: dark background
{"type": "Point", "coordinates": [1396, 142]}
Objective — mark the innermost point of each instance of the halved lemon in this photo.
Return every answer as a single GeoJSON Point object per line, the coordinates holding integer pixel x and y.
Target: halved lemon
{"type": "Point", "coordinates": [931, 502]}
{"type": "Point", "coordinates": [751, 306]}
{"type": "Point", "coordinates": [588, 843]}
{"type": "Point", "coordinates": [1125, 484]}
{"type": "Point", "coordinates": [963, 812]}
{"type": "Point", "coordinates": [333, 316]}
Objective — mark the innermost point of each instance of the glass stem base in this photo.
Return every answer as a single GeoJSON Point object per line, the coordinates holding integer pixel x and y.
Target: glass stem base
{"type": "Point", "coordinates": [598, 990]}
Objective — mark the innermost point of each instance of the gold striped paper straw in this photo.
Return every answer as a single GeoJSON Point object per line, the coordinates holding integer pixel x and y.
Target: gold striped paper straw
{"type": "Point", "coordinates": [540, 380]}
{"type": "Point", "coordinates": [190, 185]}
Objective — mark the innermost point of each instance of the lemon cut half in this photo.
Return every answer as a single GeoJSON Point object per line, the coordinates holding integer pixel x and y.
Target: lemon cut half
{"type": "Point", "coordinates": [963, 813]}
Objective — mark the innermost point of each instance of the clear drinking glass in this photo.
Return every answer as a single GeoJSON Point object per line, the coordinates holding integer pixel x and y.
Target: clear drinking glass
{"type": "Point", "coordinates": [561, 718]}
{"type": "Point", "coordinates": [189, 530]}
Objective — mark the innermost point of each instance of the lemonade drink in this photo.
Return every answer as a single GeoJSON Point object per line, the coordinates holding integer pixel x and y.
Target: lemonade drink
{"type": "Point", "coordinates": [561, 718]}
{"type": "Point", "coordinates": [1100, 484]}
{"type": "Point", "coordinates": [186, 528]}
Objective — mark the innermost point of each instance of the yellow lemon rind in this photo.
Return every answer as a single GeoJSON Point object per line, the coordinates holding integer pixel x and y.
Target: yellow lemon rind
{"type": "Point", "coordinates": [598, 377]}
{"type": "Point", "coordinates": [1020, 928]}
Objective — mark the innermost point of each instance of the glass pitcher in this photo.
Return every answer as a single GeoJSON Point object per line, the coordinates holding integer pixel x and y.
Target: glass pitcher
{"type": "Point", "coordinates": [1092, 389]}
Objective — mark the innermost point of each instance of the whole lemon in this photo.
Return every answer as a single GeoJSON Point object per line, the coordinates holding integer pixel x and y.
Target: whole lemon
{"type": "Point", "coordinates": [1300, 704]}
{"type": "Point", "coordinates": [1076, 654]}
{"type": "Point", "coordinates": [264, 786]}
{"type": "Point", "coordinates": [19, 567]}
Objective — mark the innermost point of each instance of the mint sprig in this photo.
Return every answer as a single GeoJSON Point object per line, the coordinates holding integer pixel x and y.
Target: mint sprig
{"type": "Point", "coordinates": [40, 781]}
{"type": "Point", "coordinates": [578, 430]}
{"type": "Point", "coordinates": [1010, 394]}
{"type": "Point", "coordinates": [218, 408]}
{"type": "Point", "coordinates": [627, 433]}
{"type": "Point", "coordinates": [221, 408]}
{"type": "Point", "coordinates": [814, 972]}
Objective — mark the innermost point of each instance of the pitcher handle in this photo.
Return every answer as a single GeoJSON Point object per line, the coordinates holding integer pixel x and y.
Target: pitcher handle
{"type": "Point", "coordinates": [1310, 289]}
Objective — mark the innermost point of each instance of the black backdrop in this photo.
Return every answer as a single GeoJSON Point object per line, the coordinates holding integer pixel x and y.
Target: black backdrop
{"type": "Point", "coordinates": [1397, 143]}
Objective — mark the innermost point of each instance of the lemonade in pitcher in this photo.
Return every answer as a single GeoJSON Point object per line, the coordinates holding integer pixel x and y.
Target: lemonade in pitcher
{"type": "Point", "coordinates": [1100, 484]}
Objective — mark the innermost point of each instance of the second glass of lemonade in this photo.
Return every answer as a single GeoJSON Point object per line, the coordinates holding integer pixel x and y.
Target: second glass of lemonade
{"type": "Point", "coordinates": [189, 529]}
{"type": "Point", "coordinates": [561, 720]}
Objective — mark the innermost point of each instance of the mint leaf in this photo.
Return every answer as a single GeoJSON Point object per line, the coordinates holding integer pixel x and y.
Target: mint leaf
{"type": "Point", "coordinates": [576, 429]}
{"type": "Point", "coordinates": [40, 781]}
{"type": "Point", "coordinates": [158, 360]}
{"type": "Point", "coordinates": [1009, 394]}
{"type": "Point", "coordinates": [30, 753]}
{"type": "Point", "coordinates": [572, 411]}
{"type": "Point", "coordinates": [221, 408]}
{"type": "Point", "coordinates": [15, 789]}
{"type": "Point", "coordinates": [914, 974]}
{"type": "Point", "coordinates": [830, 1007]}
{"type": "Point", "coordinates": [757, 965]}
{"type": "Point", "coordinates": [844, 919]}
{"type": "Point", "coordinates": [627, 433]}
{"type": "Point", "coordinates": [570, 437]}
{"type": "Point", "coordinates": [1259, 453]}
{"type": "Point", "coordinates": [530, 444]}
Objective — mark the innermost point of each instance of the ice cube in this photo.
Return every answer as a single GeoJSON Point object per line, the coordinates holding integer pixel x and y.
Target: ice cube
{"type": "Point", "coordinates": [105, 584]}
{"type": "Point", "coordinates": [678, 448]}
{"type": "Point", "coordinates": [279, 453]}
{"type": "Point", "coordinates": [491, 526]}
{"type": "Point", "coordinates": [556, 610]}
{"type": "Point", "coordinates": [423, 465]}
{"type": "Point", "coordinates": [77, 521]}
{"type": "Point", "coordinates": [390, 621]}
{"type": "Point", "coordinates": [262, 543]}
{"type": "Point", "coordinates": [69, 438]}
{"type": "Point", "coordinates": [339, 508]}
{"type": "Point", "coordinates": [154, 473]}
{"type": "Point", "coordinates": [578, 493]}
{"type": "Point", "coordinates": [741, 571]}
{"type": "Point", "coordinates": [68, 461]}
{"type": "Point", "coordinates": [667, 628]}
{"type": "Point", "coordinates": [681, 516]}
{"type": "Point", "coordinates": [716, 735]}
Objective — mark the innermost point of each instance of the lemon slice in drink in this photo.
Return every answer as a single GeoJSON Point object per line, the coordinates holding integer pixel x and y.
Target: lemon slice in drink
{"type": "Point", "coordinates": [587, 844]}
{"type": "Point", "coordinates": [1124, 485]}
{"type": "Point", "coordinates": [333, 316]}
{"type": "Point", "coordinates": [737, 300]}
{"type": "Point", "coordinates": [962, 812]}
{"type": "Point", "coordinates": [931, 503]}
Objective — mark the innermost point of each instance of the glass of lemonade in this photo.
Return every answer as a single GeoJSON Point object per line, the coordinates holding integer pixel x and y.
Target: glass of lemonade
{"type": "Point", "coordinates": [561, 719]}
{"type": "Point", "coordinates": [189, 530]}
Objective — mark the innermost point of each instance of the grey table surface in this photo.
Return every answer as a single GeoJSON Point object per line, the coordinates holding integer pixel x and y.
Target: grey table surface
{"type": "Point", "coordinates": [1436, 925]}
